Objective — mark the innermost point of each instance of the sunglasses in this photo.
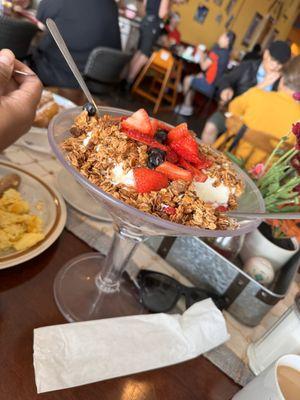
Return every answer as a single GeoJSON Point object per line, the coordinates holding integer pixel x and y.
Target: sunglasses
{"type": "Point", "coordinates": [160, 293]}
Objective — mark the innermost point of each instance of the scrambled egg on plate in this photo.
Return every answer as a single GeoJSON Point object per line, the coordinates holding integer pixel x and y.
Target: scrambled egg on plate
{"type": "Point", "coordinates": [19, 229]}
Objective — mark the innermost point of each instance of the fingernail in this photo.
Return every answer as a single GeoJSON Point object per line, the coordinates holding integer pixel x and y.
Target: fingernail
{"type": "Point", "coordinates": [6, 57]}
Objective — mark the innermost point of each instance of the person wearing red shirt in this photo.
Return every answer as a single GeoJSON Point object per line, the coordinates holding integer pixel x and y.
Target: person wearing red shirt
{"type": "Point", "coordinates": [174, 36]}
{"type": "Point", "coordinates": [212, 65]}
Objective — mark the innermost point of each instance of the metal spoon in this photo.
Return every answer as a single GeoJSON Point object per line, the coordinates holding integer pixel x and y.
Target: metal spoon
{"type": "Point", "coordinates": [262, 216]}
{"type": "Point", "coordinates": [69, 59]}
{"type": "Point", "coordinates": [17, 72]}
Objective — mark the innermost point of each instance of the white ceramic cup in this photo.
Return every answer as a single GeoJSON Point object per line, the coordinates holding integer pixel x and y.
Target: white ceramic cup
{"type": "Point", "coordinates": [265, 386]}
{"type": "Point", "coordinates": [256, 244]}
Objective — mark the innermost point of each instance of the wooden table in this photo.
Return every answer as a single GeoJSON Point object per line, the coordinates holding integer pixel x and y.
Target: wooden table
{"type": "Point", "coordinates": [27, 302]}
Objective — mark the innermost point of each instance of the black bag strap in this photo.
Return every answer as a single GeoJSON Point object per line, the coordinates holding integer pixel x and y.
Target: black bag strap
{"type": "Point", "coordinates": [238, 137]}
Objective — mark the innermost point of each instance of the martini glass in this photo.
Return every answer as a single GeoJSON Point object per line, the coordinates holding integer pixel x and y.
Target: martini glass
{"type": "Point", "coordinates": [92, 286]}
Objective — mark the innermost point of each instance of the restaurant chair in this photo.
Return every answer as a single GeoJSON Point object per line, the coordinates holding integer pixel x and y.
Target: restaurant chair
{"type": "Point", "coordinates": [257, 145]}
{"type": "Point", "coordinates": [165, 73]}
{"type": "Point", "coordinates": [16, 35]}
{"type": "Point", "coordinates": [104, 67]}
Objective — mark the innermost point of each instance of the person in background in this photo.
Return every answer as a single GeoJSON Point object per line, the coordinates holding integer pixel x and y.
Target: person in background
{"type": "Point", "coordinates": [155, 12]}
{"type": "Point", "coordinates": [22, 3]}
{"type": "Point", "coordinates": [264, 73]}
{"type": "Point", "coordinates": [254, 54]}
{"type": "Point", "coordinates": [213, 65]}
{"type": "Point", "coordinates": [268, 111]}
{"type": "Point", "coordinates": [19, 97]}
{"type": "Point", "coordinates": [173, 34]}
{"type": "Point", "coordinates": [170, 35]}
{"type": "Point", "coordinates": [84, 26]}
{"type": "Point", "coordinates": [10, 6]}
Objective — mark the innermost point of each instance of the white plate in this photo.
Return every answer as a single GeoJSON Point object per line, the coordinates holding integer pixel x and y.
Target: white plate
{"type": "Point", "coordinates": [79, 198]}
{"type": "Point", "coordinates": [52, 211]}
{"type": "Point", "coordinates": [36, 139]}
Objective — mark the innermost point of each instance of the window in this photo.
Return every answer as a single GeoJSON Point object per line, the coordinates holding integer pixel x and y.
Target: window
{"type": "Point", "coordinates": [252, 29]}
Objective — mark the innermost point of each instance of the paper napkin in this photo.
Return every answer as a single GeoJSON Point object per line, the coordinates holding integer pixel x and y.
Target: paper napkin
{"type": "Point", "coordinates": [84, 352]}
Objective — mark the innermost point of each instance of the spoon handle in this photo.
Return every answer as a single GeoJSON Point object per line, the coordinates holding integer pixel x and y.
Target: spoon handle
{"type": "Point", "coordinates": [262, 216]}
{"type": "Point", "coordinates": [69, 59]}
{"type": "Point", "coordinates": [17, 72]}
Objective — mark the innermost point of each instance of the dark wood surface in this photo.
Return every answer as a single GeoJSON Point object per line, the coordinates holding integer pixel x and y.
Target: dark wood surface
{"type": "Point", "coordinates": [27, 302]}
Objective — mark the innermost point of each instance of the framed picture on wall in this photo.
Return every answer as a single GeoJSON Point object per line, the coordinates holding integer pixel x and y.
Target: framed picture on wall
{"type": "Point", "coordinates": [219, 19]}
{"type": "Point", "coordinates": [230, 6]}
{"type": "Point", "coordinates": [252, 29]}
{"type": "Point", "coordinates": [201, 14]}
{"type": "Point", "coordinates": [218, 2]}
{"type": "Point", "coordinates": [229, 22]}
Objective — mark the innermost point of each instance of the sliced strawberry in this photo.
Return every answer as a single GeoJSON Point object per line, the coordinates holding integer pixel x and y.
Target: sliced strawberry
{"type": "Point", "coordinates": [154, 124]}
{"type": "Point", "coordinates": [138, 121]}
{"type": "Point", "coordinates": [187, 148]}
{"type": "Point", "coordinates": [173, 172]}
{"type": "Point", "coordinates": [164, 127]}
{"type": "Point", "coordinates": [198, 175]}
{"type": "Point", "coordinates": [146, 139]}
{"type": "Point", "coordinates": [172, 156]}
{"type": "Point", "coordinates": [169, 210]}
{"type": "Point", "coordinates": [178, 132]}
{"type": "Point", "coordinates": [203, 163]}
{"type": "Point", "coordinates": [222, 208]}
{"type": "Point", "coordinates": [148, 180]}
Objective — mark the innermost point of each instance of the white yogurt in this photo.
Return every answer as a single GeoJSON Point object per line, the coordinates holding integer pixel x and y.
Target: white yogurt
{"type": "Point", "coordinates": [87, 139]}
{"type": "Point", "coordinates": [120, 177]}
{"type": "Point", "coordinates": [210, 194]}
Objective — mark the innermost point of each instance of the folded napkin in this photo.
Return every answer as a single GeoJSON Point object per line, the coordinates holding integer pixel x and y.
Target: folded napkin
{"type": "Point", "coordinates": [84, 352]}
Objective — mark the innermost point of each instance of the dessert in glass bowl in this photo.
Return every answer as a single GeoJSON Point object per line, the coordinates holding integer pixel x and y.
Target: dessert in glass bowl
{"type": "Point", "coordinates": [158, 169]}
{"type": "Point", "coordinates": [184, 189]}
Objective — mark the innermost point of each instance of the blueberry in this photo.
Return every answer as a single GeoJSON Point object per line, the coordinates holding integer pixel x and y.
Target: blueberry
{"type": "Point", "coordinates": [155, 158]}
{"type": "Point", "coordinates": [90, 108]}
{"type": "Point", "coordinates": [161, 136]}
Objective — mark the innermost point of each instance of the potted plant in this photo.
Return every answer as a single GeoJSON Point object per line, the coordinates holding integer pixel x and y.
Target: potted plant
{"type": "Point", "coordinates": [279, 182]}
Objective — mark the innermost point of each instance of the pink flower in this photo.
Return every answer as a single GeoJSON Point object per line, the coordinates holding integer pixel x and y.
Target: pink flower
{"type": "Point", "coordinates": [296, 96]}
{"type": "Point", "coordinates": [297, 189]}
{"type": "Point", "coordinates": [295, 162]}
{"type": "Point", "coordinates": [296, 129]}
{"type": "Point", "coordinates": [296, 132]}
{"type": "Point", "coordinates": [258, 170]}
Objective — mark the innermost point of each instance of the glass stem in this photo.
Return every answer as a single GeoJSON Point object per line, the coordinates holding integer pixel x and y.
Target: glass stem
{"type": "Point", "coordinates": [123, 246]}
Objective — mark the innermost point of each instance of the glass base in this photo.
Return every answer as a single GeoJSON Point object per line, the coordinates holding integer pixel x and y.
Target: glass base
{"type": "Point", "coordinates": [79, 299]}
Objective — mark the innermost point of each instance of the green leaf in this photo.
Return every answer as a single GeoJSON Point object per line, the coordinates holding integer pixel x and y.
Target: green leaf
{"type": "Point", "coordinates": [274, 187]}
{"type": "Point", "coordinates": [239, 161]}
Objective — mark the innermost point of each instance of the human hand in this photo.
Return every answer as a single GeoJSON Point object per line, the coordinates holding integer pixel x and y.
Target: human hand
{"type": "Point", "coordinates": [269, 80]}
{"type": "Point", "coordinates": [22, 3]}
{"type": "Point", "coordinates": [19, 97]}
{"type": "Point", "coordinates": [226, 95]}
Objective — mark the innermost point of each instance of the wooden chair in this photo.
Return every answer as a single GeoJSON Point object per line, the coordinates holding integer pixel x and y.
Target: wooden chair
{"type": "Point", "coordinates": [165, 72]}
{"type": "Point", "coordinates": [258, 145]}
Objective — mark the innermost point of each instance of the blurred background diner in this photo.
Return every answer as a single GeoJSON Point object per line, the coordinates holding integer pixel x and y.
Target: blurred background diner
{"type": "Point", "coordinates": [191, 60]}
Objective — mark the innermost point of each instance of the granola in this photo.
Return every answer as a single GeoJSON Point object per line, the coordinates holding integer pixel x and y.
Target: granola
{"type": "Point", "coordinates": [101, 151]}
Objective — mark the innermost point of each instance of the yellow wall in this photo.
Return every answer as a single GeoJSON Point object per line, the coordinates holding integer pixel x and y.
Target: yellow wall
{"type": "Point", "coordinates": [244, 11]}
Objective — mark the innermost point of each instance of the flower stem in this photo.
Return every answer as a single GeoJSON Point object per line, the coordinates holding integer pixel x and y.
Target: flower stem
{"type": "Point", "coordinates": [273, 153]}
